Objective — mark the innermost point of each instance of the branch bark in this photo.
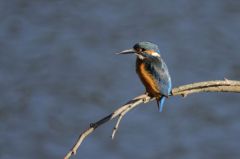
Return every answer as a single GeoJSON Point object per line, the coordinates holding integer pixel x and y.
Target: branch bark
{"type": "Point", "coordinates": [207, 86]}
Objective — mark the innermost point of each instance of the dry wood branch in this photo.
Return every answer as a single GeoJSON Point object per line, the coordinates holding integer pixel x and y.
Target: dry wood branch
{"type": "Point", "coordinates": [146, 99]}
{"type": "Point", "coordinates": [208, 86]}
{"type": "Point", "coordinates": [128, 106]}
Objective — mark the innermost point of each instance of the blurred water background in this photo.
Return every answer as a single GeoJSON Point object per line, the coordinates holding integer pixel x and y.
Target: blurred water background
{"type": "Point", "coordinates": [58, 73]}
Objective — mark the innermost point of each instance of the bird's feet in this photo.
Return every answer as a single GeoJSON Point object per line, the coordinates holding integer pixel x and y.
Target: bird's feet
{"type": "Point", "coordinates": [145, 100]}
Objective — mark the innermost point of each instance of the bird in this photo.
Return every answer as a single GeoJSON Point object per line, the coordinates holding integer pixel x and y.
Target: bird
{"type": "Point", "coordinates": [152, 71]}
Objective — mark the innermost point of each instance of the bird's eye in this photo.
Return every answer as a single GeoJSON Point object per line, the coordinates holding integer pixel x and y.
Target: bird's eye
{"type": "Point", "coordinates": [143, 49]}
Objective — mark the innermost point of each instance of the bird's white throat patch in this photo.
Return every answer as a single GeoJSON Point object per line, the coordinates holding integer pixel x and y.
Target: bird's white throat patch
{"type": "Point", "coordinates": [140, 56]}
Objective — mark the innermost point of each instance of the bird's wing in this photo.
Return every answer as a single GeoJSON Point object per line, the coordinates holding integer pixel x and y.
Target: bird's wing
{"type": "Point", "coordinates": [161, 74]}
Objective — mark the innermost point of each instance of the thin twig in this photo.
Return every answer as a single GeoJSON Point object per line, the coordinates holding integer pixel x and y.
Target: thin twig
{"type": "Point", "coordinates": [130, 107]}
{"type": "Point", "coordinates": [134, 102]}
{"type": "Point", "coordinates": [117, 124]}
{"type": "Point", "coordinates": [207, 86]}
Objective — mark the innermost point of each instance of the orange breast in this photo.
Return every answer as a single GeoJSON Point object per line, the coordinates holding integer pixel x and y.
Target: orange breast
{"type": "Point", "coordinates": [148, 80]}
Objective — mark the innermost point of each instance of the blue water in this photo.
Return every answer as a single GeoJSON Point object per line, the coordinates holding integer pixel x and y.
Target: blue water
{"type": "Point", "coordinates": [58, 73]}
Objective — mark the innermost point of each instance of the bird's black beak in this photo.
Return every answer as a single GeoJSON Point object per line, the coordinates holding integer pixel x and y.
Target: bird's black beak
{"type": "Point", "coordinates": [129, 51]}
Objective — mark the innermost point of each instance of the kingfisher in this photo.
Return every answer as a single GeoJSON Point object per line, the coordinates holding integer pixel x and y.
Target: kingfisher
{"type": "Point", "coordinates": [152, 71]}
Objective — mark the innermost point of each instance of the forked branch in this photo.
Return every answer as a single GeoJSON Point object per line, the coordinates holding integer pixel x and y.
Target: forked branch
{"type": "Point", "coordinates": [207, 86]}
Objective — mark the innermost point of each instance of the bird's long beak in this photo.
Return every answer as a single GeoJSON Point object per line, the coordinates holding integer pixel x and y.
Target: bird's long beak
{"type": "Point", "coordinates": [129, 51]}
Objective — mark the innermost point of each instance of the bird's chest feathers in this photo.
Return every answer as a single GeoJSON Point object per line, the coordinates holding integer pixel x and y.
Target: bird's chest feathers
{"type": "Point", "coordinates": [144, 72]}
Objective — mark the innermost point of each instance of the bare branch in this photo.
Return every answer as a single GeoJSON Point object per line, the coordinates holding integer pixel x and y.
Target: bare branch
{"type": "Point", "coordinates": [118, 122]}
{"type": "Point", "coordinates": [129, 105]}
{"type": "Point", "coordinates": [145, 100]}
{"type": "Point", "coordinates": [207, 86]}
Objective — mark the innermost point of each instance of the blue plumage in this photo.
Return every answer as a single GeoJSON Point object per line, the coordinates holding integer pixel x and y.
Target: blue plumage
{"type": "Point", "coordinates": [152, 71]}
{"type": "Point", "coordinates": [157, 71]}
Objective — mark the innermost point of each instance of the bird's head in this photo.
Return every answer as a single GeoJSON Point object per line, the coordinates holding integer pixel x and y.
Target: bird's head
{"type": "Point", "coordinates": [142, 49]}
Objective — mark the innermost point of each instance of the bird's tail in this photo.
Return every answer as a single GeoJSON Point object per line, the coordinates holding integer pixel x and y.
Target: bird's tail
{"type": "Point", "coordinates": [160, 102]}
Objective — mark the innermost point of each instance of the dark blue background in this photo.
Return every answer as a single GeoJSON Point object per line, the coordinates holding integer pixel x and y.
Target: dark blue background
{"type": "Point", "coordinates": [58, 73]}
